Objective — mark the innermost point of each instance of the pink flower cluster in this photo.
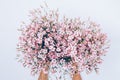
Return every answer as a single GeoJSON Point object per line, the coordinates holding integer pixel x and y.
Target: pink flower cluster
{"type": "Point", "coordinates": [47, 38]}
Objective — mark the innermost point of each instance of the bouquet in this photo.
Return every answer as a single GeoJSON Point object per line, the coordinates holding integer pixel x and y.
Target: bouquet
{"type": "Point", "coordinates": [49, 37]}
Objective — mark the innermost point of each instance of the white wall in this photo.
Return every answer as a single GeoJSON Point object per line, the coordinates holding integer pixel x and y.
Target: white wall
{"type": "Point", "coordinates": [105, 12]}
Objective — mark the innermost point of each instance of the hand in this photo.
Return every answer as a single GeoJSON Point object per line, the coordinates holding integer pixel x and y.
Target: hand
{"type": "Point", "coordinates": [75, 65]}
{"type": "Point", "coordinates": [43, 75]}
{"type": "Point", "coordinates": [46, 67]}
{"type": "Point", "coordinates": [76, 75]}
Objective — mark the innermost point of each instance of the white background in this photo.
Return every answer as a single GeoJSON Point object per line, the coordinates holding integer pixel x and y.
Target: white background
{"type": "Point", "coordinates": [104, 12]}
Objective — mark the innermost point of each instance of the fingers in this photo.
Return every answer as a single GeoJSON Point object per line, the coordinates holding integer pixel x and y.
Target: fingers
{"type": "Point", "coordinates": [43, 76]}
{"type": "Point", "coordinates": [76, 77]}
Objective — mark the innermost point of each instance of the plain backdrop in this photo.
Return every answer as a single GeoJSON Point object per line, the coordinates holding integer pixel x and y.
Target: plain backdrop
{"type": "Point", "coordinates": [104, 12]}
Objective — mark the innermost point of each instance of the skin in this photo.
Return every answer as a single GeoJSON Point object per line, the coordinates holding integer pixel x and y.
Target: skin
{"type": "Point", "coordinates": [43, 76]}
{"type": "Point", "coordinates": [76, 75]}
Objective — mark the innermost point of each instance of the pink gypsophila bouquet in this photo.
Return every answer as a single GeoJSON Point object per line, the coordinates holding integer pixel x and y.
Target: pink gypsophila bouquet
{"type": "Point", "coordinates": [60, 41]}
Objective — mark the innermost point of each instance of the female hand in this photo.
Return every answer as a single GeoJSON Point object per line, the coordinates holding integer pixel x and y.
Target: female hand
{"type": "Point", "coordinates": [43, 75]}
{"type": "Point", "coordinates": [76, 75]}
